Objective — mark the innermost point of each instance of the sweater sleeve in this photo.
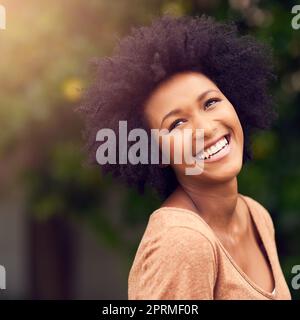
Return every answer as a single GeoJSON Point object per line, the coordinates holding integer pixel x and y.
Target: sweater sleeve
{"type": "Point", "coordinates": [180, 265]}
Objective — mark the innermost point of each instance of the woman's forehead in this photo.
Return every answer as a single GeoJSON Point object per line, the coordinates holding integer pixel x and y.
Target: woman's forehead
{"type": "Point", "coordinates": [179, 89]}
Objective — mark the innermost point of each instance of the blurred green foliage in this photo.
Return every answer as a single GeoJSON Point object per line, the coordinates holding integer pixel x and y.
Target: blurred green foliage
{"type": "Point", "coordinates": [43, 67]}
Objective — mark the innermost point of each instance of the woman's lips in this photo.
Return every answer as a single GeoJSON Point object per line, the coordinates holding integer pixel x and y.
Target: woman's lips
{"type": "Point", "coordinates": [220, 154]}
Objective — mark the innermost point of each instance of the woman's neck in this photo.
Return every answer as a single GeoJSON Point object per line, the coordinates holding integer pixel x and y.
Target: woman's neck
{"type": "Point", "coordinates": [217, 204]}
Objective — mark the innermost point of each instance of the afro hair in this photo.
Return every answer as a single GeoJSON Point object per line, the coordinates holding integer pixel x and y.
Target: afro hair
{"type": "Point", "coordinates": [238, 64]}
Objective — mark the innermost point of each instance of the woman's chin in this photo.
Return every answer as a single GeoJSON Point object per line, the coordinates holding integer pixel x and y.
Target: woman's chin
{"type": "Point", "coordinates": [212, 173]}
{"type": "Point", "coordinates": [222, 174]}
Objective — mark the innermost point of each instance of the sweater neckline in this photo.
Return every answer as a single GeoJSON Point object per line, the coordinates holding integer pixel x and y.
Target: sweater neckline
{"type": "Point", "coordinates": [263, 240]}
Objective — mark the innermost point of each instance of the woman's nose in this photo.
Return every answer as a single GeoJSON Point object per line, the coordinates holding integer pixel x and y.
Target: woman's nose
{"type": "Point", "coordinates": [207, 125]}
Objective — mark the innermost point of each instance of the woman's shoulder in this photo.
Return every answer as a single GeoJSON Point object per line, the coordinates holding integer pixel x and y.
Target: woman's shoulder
{"type": "Point", "coordinates": [173, 241]}
{"type": "Point", "coordinates": [171, 221]}
{"type": "Point", "coordinates": [175, 232]}
{"type": "Point", "coordinates": [174, 260]}
{"type": "Point", "coordinates": [177, 212]}
{"type": "Point", "coordinates": [186, 242]}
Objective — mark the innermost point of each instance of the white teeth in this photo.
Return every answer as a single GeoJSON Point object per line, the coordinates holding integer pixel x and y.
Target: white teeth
{"type": "Point", "coordinates": [213, 149]}
{"type": "Point", "coordinates": [221, 143]}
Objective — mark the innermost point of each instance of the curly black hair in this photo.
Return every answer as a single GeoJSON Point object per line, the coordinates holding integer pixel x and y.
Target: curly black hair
{"type": "Point", "coordinates": [238, 64]}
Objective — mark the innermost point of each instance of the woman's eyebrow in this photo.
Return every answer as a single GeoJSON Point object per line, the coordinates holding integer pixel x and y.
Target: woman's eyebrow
{"type": "Point", "coordinates": [179, 110]}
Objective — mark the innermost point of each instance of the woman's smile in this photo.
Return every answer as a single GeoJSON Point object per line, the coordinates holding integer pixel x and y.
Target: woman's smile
{"type": "Point", "coordinates": [216, 151]}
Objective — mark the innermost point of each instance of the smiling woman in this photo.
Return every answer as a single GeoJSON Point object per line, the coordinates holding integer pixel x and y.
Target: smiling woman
{"type": "Point", "coordinates": [212, 112]}
{"type": "Point", "coordinates": [206, 241]}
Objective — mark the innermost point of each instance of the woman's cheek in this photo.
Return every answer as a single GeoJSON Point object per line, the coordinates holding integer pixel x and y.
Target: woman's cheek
{"type": "Point", "coordinates": [182, 147]}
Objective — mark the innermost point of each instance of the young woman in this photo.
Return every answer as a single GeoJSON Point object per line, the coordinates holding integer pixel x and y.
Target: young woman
{"type": "Point", "coordinates": [206, 240]}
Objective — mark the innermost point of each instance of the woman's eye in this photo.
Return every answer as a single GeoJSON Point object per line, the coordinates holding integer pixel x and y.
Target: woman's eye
{"type": "Point", "coordinates": [175, 124]}
{"type": "Point", "coordinates": [210, 102]}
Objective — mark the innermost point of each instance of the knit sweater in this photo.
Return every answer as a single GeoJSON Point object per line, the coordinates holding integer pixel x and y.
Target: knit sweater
{"type": "Point", "coordinates": [180, 257]}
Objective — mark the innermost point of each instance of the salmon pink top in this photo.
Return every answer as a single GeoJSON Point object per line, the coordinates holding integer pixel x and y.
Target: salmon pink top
{"type": "Point", "coordinates": [180, 257]}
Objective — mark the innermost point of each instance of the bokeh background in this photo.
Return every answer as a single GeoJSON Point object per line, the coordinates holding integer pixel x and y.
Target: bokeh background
{"type": "Point", "coordinates": [68, 232]}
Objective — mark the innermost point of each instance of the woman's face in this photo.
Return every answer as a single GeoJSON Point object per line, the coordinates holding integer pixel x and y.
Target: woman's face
{"type": "Point", "coordinates": [190, 100]}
